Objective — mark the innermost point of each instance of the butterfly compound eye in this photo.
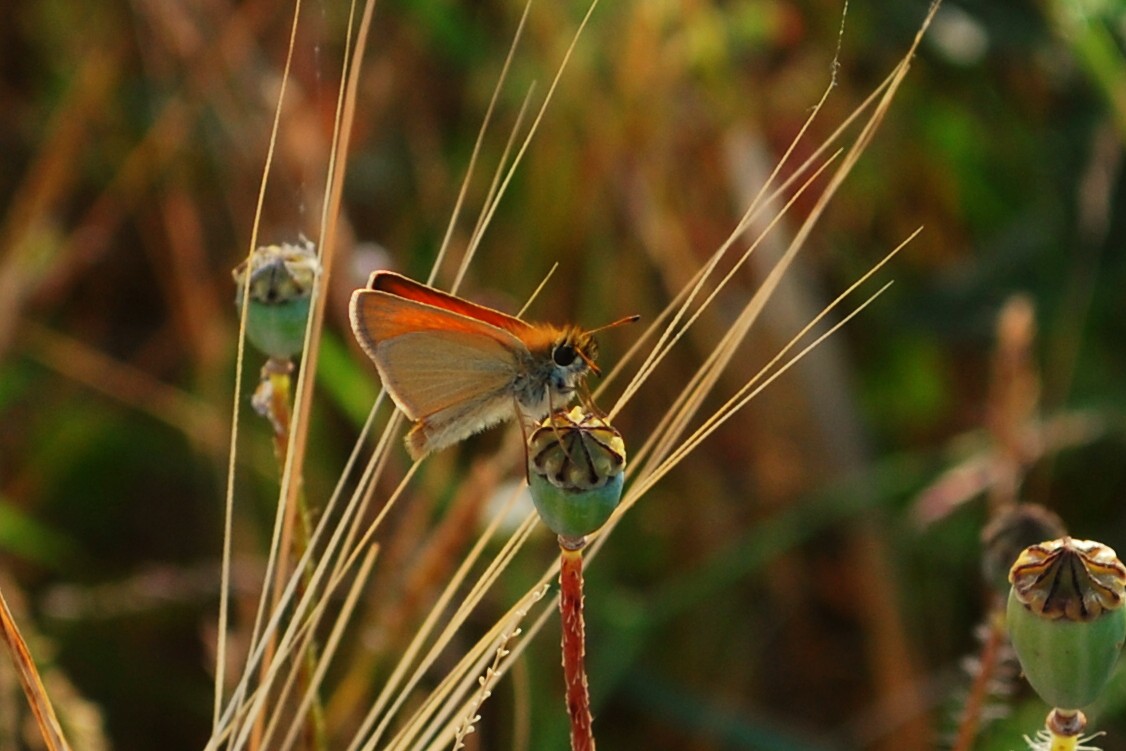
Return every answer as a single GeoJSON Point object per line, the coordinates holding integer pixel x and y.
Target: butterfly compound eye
{"type": "Point", "coordinates": [563, 355]}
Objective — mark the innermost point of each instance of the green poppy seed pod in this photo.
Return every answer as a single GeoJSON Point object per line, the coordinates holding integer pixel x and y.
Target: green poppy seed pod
{"type": "Point", "coordinates": [281, 282]}
{"type": "Point", "coordinates": [575, 471]}
{"type": "Point", "coordinates": [1066, 618]}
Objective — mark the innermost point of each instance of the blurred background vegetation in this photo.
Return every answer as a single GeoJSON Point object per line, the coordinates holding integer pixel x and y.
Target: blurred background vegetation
{"type": "Point", "coordinates": [776, 591]}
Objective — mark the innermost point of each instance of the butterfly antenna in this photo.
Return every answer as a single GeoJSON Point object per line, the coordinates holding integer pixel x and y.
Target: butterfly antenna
{"type": "Point", "coordinates": [620, 322]}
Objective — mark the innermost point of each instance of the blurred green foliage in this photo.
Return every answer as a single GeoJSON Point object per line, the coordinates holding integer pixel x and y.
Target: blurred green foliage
{"type": "Point", "coordinates": [134, 135]}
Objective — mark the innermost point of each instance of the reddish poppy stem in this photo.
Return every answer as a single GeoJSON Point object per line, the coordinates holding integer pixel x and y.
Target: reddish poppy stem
{"type": "Point", "coordinates": [574, 646]}
{"type": "Point", "coordinates": [970, 723]}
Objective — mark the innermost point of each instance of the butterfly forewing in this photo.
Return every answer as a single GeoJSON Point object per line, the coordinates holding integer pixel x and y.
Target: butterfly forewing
{"type": "Point", "coordinates": [428, 372]}
{"type": "Point", "coordinates": [431, 358]}
{"type": "Point", "coordinates": [379, 316]}
{"type": "Point", "coordinates": [401, 286]}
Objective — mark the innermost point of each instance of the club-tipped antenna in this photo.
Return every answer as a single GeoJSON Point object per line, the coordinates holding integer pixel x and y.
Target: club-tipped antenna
{"type": "Point", "coordinates": [620, 322]}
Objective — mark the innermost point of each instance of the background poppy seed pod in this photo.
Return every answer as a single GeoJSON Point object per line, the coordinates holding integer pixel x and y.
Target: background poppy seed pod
{"type": "Point", "coordinates": [281, 283]}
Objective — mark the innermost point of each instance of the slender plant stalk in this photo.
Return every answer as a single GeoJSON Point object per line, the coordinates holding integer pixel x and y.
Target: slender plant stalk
{"type": "Point", "coordinates": [41, 707]}
{"type": "Point", "coordinates": [1012, 406]}
{"type": "Point", "coordinates": [275, 394]}
{"type": "Point", "coordinates": [574, 647]}
{"type": "Point", "coordinates": [970, 722]}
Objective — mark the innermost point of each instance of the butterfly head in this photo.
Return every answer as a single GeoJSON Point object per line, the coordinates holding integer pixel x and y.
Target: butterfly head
{"type": "Point", "coordinates": [560, 359]}
{"type": "Point", "coordinates": [574, 353]}
{"type": "Point", "coordinates": [570, 357]}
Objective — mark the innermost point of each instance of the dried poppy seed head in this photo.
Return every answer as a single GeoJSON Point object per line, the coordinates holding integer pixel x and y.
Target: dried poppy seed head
{"type": "Point", "coordinates": [1065, 618]}
{"type": "Point", "coordinates": [576, 462]}
{"type": "Point", "coordinates": [1067, 578]}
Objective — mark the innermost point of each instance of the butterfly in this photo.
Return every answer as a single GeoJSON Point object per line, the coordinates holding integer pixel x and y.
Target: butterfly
{"type": "Point", "coordinates": [456, 368]}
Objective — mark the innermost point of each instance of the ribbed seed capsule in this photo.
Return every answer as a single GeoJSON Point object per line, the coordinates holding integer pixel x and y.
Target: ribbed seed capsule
{"type": "Point", "coordinates": [281, 281]}
{"type": "Point", "coordinates": [1066, 618]}
{"type": "Point", "coordinates": [575, 471]}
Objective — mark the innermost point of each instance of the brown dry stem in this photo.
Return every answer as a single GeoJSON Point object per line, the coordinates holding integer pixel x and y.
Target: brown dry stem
{"type": "Point", "coordinates": [574, 648]}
